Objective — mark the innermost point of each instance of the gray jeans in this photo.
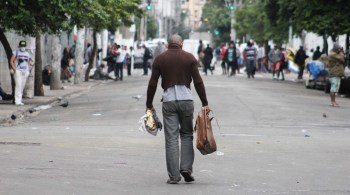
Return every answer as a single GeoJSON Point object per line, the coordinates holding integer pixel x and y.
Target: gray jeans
{"type": "Point", "coordinates": [178, 120]}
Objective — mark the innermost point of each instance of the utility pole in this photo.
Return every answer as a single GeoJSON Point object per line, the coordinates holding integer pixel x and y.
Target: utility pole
{"type": "Point", "coordinates": [232, 5]}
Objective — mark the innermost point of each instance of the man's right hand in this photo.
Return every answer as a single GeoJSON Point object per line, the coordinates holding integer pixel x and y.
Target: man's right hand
{"type": "Point", "coordinates": [12, 71]}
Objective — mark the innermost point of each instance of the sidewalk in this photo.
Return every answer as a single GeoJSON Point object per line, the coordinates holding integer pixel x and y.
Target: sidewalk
{"type": "Point", "coordinates": [8, 109]}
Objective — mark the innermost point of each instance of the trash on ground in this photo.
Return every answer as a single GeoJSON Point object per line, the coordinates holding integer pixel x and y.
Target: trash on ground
{"type": "Point", "coordinates": [219, 153]}
{"type": "Point", "coordinates": [97, 114]}
{"type": "Point", "coordinates": [42, 107]}
{"type": "Point", "coordinates": [65, 105]}
{"type": "Point", "coordinates": [137, 97]}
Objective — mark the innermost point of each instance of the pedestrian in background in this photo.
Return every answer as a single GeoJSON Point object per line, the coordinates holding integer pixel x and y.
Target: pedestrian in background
{"type": "Point", "coordinates": [177, 68]}
{"type": "Point", "coordinates": [275, 56]}
{"type": "Point", "coordinates": [208, 57]}
{"type": "Point", "coordinates": [21, 70]}
{"type": "Point", "coordinates": [46, 75]}
{"type": "Point", "coordinates": [217, 53]}
{"type": "Point", "coordinates": [284, 63]}
{"type": "Point", "coordinates": [118, 63]}
{"type": "Point", "coordinates": [249, 55]}
{"type": "Point", "coordinates": [65, 70]}
{"type": "Point", "coordinates": [300, 58]}
{"type": "Point", "coordinates": [200, 53]}
{"type": "Point", "coordinates": [260, 57]}
{"type": "Point", "coordinates": [146, 56]}
{"type": "Point", "coordinates": [231, 59]}
{"type": "Point", "coordinates": [88, 54]}
{"type": "Point", "coordinates": [129, 59]}
{"type": "Point", "coordinates": [222, 55]}
{"type": "Point", "coordinates": [111, 58]}
{"type": "Point", "coordinates": [317, 54]}
{"type": "Point", "coordinates": [335, 65]}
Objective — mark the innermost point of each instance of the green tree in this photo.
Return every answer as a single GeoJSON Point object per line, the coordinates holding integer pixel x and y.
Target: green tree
{"type": "Point", "coordinates": [183, 29]}
{"type": "Point", "coordinates": [152, 27]}
{"type": "Point", "coordinates": [31, 17]}
{"type": "Point", "coordinates": [99, 15]}
{"type": "Point", "coordinates": [253, 20]}
{"type": "Point", "coordinates": [323, 17]}
{"type": "Point", "coordinates": [218, 16]}
{"type": "Point", "coordinates": [104, 14]}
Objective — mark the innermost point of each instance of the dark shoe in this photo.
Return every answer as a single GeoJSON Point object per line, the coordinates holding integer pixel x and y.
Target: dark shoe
{"type": "Point", "coordinates": [187, 176]}
{"type": "Point", "coordinates": [8, 97]}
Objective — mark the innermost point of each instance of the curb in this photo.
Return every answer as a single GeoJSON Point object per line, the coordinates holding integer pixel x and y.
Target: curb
{"type": "Point", "coordinates": [17, 116]}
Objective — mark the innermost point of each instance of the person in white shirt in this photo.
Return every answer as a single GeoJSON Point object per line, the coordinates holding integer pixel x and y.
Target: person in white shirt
{"type": "Point", "coordinates": [21, 70]}
{"type": "Point", "coordinates": [121, 61]}
{"type": "Point", "coordinates": [118, 70]}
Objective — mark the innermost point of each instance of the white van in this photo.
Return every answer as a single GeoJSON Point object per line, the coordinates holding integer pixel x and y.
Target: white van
{"type": "Point", "coordinates": [191, 45]}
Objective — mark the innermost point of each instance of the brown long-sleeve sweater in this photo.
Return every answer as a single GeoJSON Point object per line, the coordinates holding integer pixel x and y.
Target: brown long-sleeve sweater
{"type": "Point", "coordinates": [176, 67]}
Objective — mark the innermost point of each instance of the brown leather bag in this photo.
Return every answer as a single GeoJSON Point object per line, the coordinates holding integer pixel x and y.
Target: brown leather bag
{"type": "Point", "coordinates": [205, 138]}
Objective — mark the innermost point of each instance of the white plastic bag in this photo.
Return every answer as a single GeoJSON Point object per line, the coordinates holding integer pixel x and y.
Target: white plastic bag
{"type": "Point", "coordinates": [150, 123]}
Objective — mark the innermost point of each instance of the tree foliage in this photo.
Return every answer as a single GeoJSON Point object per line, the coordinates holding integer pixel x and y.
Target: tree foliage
{"type": "Point", "coordinates": [218, 18]}
{"type": "Point", "coordinates": [32, 17]}
{"type": "Point", "coordinates": [324, 17]}
{"type": "Point", "coordinates": [151, 27]}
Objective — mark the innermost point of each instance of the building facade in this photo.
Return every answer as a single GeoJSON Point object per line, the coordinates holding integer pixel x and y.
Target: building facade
{"type": "Point", "coordinates": [194, 12]}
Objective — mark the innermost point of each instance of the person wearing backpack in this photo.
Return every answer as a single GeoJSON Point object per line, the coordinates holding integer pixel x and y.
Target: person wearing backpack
{"type": "Point", "coordinates": [21, 70]}
{"type": "Point", "coordinates": [146, 56]}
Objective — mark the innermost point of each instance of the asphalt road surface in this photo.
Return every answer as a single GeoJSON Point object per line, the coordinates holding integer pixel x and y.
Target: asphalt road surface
{"type": "Point", "coordinates": [273, 137]}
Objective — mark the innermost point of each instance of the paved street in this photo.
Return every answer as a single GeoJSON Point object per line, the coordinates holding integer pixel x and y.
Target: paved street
{"type": "Point", "coordinates": [275, 137]}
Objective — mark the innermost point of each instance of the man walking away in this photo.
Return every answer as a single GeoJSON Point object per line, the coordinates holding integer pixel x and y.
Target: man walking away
{"type": "Point", "coordinates": [177, 68]}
